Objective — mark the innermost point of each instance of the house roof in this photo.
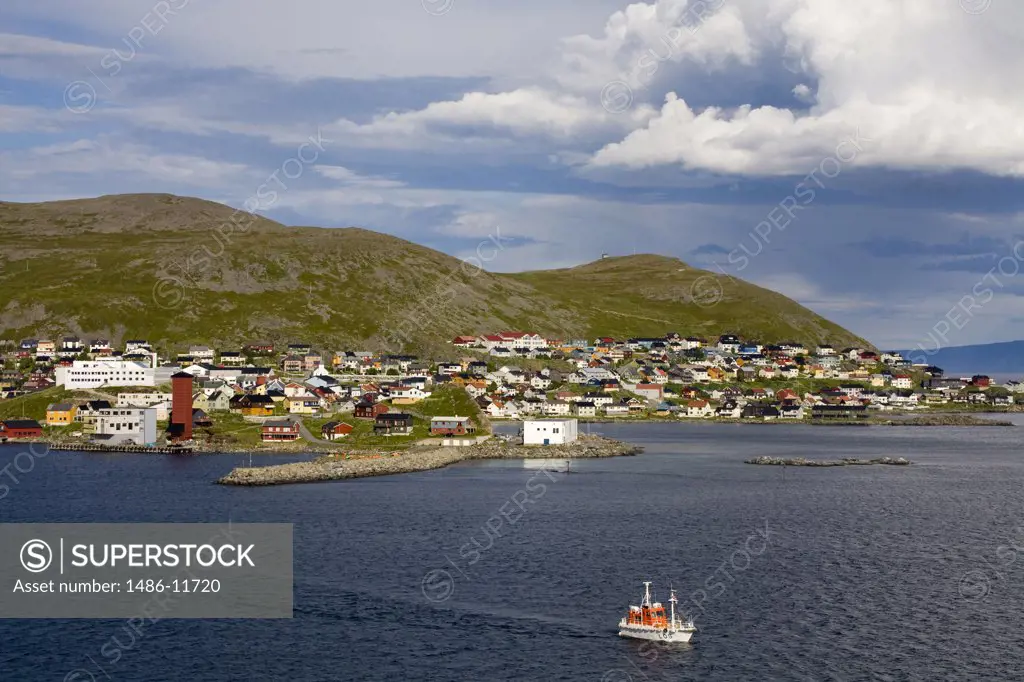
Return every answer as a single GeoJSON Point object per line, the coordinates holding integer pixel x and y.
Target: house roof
{"type": "Point", "coordinates": [21, 424]}
{"type": "Point", "coordinates": [394, 417]}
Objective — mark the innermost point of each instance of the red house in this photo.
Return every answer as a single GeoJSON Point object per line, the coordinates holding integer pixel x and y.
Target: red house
{"type": "Point", "coordinates": [367, 410]}
{"type": "Point", "coordinates": [335, 430]}
{"type": "Point", "coordinates": [450, 426]}
{"type": "Point", "coordinates": [280, 430]}
{"type": "Point", "coordinates": [787, 394]}
{"type": "Point", "coordinates": [21, 428]}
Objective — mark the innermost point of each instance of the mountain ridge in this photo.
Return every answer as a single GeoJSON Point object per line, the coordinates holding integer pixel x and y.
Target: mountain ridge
{"type": "Point", "coordinates": [179, 270]}
{"type": "Point", "coordinates": [1002, 358]}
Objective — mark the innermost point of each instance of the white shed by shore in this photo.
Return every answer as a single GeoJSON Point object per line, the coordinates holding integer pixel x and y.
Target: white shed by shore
{"type": "Point", "coordinates": [549, 431]}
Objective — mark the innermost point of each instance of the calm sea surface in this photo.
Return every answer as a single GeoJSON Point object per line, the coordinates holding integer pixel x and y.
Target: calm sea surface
{"type": "Point", "coordinates": [855, 573]}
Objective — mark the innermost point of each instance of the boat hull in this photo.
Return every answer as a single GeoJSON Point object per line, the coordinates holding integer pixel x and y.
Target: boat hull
{"type": "Point", "coordinates": [655, 635]}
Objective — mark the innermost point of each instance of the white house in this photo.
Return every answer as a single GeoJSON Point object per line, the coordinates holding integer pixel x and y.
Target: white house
{"type": "Point", "coordinates": [408, 394]}
{"type": "Point", "coordinates": [136, 345]}
{"type": "Point", "coordinates": [652, 392]}
{"type": "Point", "coordinates": [791, 412]}
{"type": "Point", "coordinates": [198, 370]}
{"type": "Point", "coordinates": [598, 373]}
{"type": "Point", "coordinates": [294, 388]}
{"type": "Point", "coordinates": [699, 409]}
{"type": "Point", "coordinates": [233, 358]}
{"type": "Point", "coordinates": [584, 409]}
{"type": "Point", "coordinates": [540, 381]}
{"type": "Point", "coordinates": [83, 374]}
{"type": "Point", "coordinates": [902, 381]}
{"type": "Point", "coordinates": [523, 340]}
{"type": "Point", "coordinates": [696, 373]}
{"type": "Point", "coordinates": [730, 410]}
{"type": "Point", "coordinates": [124, 426]}
{"type": "Point", "coordinates": [555, 409]}
{"type": "Point", "coordinates": [201, 353]}
{"type": "Point", "coordinates": [549, 431]}
{"type": "Point", "coordinates": [229, 374]}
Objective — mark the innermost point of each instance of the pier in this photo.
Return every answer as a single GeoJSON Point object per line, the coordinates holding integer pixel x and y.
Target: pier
{"type": "Point", "coordinates": [154, 450]}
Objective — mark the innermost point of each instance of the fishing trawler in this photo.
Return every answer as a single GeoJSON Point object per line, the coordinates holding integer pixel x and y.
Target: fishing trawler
{"type": "Point", "coordinates": [648, 621]}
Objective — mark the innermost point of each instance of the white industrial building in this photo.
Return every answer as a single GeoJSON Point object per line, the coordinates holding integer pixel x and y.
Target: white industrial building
{"type": "Point", "coordinates": [124, 426]}
{"type": "Point", "coordinates": [549, 431]}
{"type": "Point", "coordinates": [96, 373]}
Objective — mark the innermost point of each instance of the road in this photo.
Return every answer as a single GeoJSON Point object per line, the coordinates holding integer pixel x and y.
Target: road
{"type": "Point", "coordinates": [308, 435]}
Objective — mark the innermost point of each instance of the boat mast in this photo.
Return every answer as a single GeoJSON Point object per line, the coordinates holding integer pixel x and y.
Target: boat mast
{"type": "Point", "coordinates": [672, 602]}
{"type": "Point", "coordinates": [647, 594]}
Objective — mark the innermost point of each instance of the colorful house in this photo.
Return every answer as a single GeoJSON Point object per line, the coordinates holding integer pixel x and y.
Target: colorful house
{"type": "Point", "coordinates": [365, 409]}
{"type": "Point", "coordinates": [20, 428]}
{"type": "Point", "coordinates": [393, 424]}
{"type": "Point", "coordinates": [303, 404]}
{"type": "Point", "coordinates": [60, 414]}
{"type": "Point", "coordinates": [280, 430]}
{"type": "Point", "coordinates": [335, 430]}
{"type": "Point", "coordinates": [451, 426]}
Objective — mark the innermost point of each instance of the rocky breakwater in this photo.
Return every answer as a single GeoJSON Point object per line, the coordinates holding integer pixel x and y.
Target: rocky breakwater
{"type": "Point", "coordinates": [337, 467]}
{"type": "Point", "coordinates": [846, 461]}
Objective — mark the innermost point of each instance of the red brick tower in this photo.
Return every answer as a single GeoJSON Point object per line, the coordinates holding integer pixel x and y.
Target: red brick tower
{"type": "Point", "coordinates": [180, 427]}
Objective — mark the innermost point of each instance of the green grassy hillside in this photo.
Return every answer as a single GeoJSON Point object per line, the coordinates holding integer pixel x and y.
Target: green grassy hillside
{"type": "Point", "coordinates": [644, 294]}
{"type": "Point", "coordinates": [176, 270]}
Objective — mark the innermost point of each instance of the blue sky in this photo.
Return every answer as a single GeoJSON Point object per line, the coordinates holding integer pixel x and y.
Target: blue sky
{"type": "Point", "coordinates": [863, 158]}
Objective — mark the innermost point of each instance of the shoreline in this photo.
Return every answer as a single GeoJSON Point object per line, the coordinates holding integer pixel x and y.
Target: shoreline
{"type": "Point", "coordinates": [967, 418]}
{"type": "Point", "coordinates": [334, 468]}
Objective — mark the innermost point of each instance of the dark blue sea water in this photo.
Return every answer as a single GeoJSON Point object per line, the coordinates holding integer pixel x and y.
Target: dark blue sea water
{"type": "Point", "coordinates": [857, 573]}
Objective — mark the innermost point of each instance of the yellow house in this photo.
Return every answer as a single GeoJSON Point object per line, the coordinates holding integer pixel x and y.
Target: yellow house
{"type": "Point", "coordinates": [60, 414]}
{"type": "Point", "coordinates": [201, 402]}
{"type": "Point", "coordinates": [303, 404]}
